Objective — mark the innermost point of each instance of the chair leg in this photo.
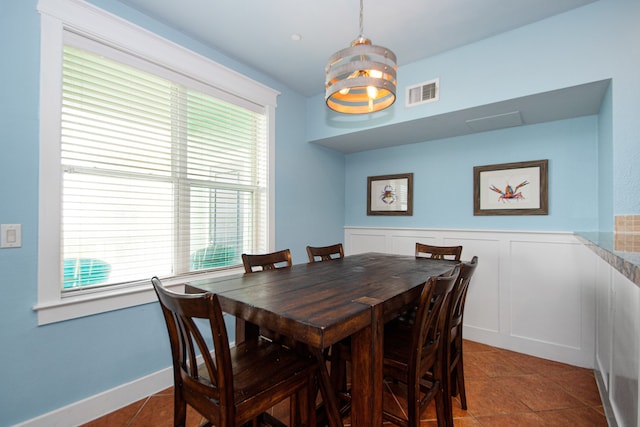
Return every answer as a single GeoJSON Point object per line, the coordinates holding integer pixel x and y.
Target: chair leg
{"type": "Point", "coordinates": [413, 405]}
{"type": "Point", "coordinates": [302, 405]}
{"type": "Point", "coordinates": [328, 393]}
{"type": "Point", "coordinates": [294, 405]}
{"type": "Point", "coordinates": [457, 372]}
{"type": "Point", "coordinates": [460, 382]}
{"type": "Point", "coordinates": [310, 408]}
{"type": "Point", "coordinates": [445, 394]}
{"type": "Point", "coordinates": [444, 405]}
{"type": "Point", "coordinates": [445, 417]}
{"type": "Point", "coordinates": [453, 381]}
{"type": "Point", "coordinates": [179, 409]}
{"type": "Point", "coordinates": [453, 372]}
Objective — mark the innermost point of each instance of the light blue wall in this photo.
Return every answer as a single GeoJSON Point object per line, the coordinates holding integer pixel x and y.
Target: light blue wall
{"type": "Point", "coordinates": [310, 194]}
{"type": "Point", "coordinates": [443, 177]}
{"type": "Point", "coordinates": [595, 42]}
{"type": "Point", "coordinates": [44, 368]}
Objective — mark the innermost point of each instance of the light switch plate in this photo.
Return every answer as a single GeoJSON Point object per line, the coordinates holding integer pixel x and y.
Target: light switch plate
{"type": "Point", "coordinates": [10, 235]}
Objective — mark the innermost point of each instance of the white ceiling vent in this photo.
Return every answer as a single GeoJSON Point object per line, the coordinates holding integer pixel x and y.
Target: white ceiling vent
{"type": "Point", "coordinates": [423, 93]}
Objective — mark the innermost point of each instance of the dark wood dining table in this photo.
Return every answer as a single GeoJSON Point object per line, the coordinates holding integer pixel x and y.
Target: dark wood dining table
{"type": "Point", "coordinates": [321, 303]}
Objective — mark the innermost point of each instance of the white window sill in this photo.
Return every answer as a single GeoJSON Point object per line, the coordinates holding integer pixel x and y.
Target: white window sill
{"type": "Point", "coordinates": [114, 299]}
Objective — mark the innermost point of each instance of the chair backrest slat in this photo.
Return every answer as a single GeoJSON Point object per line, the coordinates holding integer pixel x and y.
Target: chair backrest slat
{"type": "Point", "coordinates": [325, 253]}
{"type": "Point", "coordinates": [460, 292]}
{"type": "Point", "coordinates": [270, 261]}
{"type": "Point", "coordinates": [438, 252]}
{"type": "Point", "coordinates": [430, 323]}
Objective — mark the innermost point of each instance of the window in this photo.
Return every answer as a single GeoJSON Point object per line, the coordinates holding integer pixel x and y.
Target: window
{"type": "Point", "coordinates": [154, 170]}
{"type": "Point", "coordinates": [157, 178]}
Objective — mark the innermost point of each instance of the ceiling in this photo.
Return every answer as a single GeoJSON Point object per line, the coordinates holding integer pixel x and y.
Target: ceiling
{"type": "Point", "coordinates": [259, 32]}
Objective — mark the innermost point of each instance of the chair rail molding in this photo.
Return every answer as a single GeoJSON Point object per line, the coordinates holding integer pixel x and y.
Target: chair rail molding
{"type": "Point", "coordinates": [533, 291]}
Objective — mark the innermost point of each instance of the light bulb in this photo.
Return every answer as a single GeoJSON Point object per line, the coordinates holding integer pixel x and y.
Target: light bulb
{"type": "Point", "coordinates": [344, 91]}
{"type": "Point", "coordinates": [376, 74]}
{"type": "Point", "coordinates": [372, 92]}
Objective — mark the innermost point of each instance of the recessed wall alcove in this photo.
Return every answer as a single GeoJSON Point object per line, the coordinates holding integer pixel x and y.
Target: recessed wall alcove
{"type": "Point", "coordinates": [564, 103]}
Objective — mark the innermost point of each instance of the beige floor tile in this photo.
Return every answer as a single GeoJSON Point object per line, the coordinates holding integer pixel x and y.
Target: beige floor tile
{"type": "Point", "coordinates": [537, 392]}
{"type": "Point", "coordinates": [484, 398]}
{"type": "Point", "coordinates": [583, 417]}
{"type": "Point", "coordinates": [118, 418]}
{"type": "Point", "coordinates": [580, 384]}
{"type": "Point", "coordinates": [527, 419]}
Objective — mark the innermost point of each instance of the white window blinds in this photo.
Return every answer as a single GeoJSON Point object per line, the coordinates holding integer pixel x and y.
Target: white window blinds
{"type": "Point", "coordinates": [158, 178]}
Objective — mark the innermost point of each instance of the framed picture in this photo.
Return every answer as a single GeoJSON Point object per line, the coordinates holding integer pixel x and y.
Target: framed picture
{"type": "Point", "coordinates": [390, 194]}
{"type": "Point", "coordinates": [511, 189]}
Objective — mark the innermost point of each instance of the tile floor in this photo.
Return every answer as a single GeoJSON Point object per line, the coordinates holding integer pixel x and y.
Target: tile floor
{"type": "Point", "coordinates": [504, 388]}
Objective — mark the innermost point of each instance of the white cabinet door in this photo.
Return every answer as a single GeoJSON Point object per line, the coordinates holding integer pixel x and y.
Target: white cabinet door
{"type": "Point", "coordinates": [623, 391]}
{"type": "Point", "coordinates": [604, 315]}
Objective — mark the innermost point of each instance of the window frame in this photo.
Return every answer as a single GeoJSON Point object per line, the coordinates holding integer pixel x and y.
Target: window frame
{"type": "Point", "coordinates": [58, 16]}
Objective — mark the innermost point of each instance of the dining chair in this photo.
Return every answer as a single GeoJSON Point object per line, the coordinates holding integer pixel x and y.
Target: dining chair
{"type": "Point", "coordinates": [254, 263]}
{"type": "Point", "coordinates": [325, 253]}
{"type": "Point", "coordinates": [433, 252]}
{"type": "Point", "coordinates": [232, 386]}
{"type": "Point", "coordinates": [340, 354]}
{"type": "Point", "coordinates": [268, 261]}
{"type": "Point", "coordinates": [415, 356]}
{"type": "Point", "coordinates": [455, 322]}
{"type": "Point", "coordinates": [438, 252]}
{"type": "Point", "coordinates": [329, 253]}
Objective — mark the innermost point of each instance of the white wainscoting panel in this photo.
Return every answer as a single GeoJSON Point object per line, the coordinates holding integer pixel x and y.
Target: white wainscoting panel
{"type": "Point", "coordinates": [369, 242]}
{"type": "Point", "coordinates": [533, 292]}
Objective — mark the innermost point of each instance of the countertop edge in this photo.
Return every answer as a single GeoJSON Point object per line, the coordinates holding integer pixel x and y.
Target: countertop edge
{"type": "Point", "coordinates": [627, 263]}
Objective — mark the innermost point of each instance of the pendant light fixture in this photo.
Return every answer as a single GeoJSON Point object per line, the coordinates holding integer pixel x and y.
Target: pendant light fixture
{"type": "Point", "coordinates": [361, 78]}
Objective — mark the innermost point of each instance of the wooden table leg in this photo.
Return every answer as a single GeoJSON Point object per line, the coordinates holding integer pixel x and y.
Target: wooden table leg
{"type": "Point", "coordinates": [366, 374]}
{"type": "Point", "coordinates": [246, 331]}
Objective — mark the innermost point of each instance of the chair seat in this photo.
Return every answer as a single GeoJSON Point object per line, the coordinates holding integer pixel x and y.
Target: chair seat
{"type": "Point", "coordinates": [260, 371]}
{"type": "Point", "coordinates": [397, 346]}
{"type": "Point", "coordinates": [258, 366]}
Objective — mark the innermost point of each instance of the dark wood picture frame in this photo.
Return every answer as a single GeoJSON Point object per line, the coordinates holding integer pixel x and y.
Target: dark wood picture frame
{"type": "Point", "coordinates": [519, 188]}
{"type": "Point", "coordinates": [390, 194]}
